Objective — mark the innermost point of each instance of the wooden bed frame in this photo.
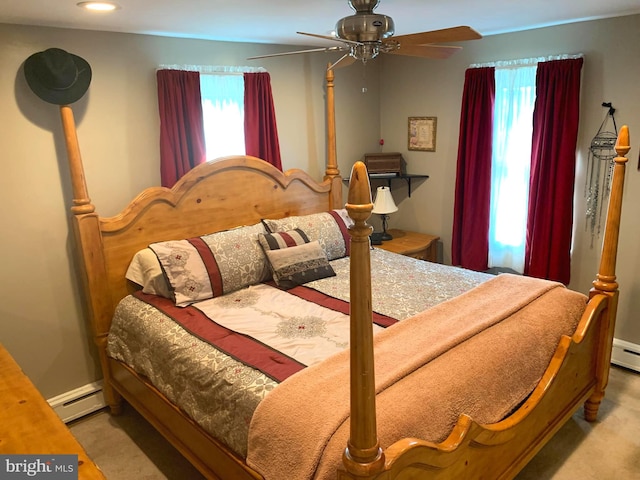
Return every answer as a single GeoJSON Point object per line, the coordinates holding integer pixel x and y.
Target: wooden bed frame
{"type": "Point", "coordinates": [213, 197]}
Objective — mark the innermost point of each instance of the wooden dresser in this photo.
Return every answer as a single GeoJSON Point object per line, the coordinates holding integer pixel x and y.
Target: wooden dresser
{"type": "Point", "coordinates": [28, 424]}
{"type": "Point", "coordinates": [412, 244]}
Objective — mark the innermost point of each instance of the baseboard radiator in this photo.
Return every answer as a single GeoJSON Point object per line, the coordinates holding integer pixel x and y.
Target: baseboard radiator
{"type": "Point", "coordinates": [626, 354]}
{"type": "Point", "coordinates": [79, 402]}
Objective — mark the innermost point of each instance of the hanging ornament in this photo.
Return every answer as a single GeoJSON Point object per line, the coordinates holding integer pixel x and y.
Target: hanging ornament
{"type": "Point", "coordinates": [599, 173]}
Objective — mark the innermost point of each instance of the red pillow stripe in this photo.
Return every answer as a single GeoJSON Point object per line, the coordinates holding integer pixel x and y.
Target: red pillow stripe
{"type": "Point", "coordinates": [343, 229]}
{"type": "Point", "coordinates": [210, 263]}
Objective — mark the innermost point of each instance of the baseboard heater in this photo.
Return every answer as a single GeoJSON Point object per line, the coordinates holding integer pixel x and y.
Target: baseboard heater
{"type": "Point", "coordinates": [626, 354]}
{"type": "Point", "coordinates": [78, 402]}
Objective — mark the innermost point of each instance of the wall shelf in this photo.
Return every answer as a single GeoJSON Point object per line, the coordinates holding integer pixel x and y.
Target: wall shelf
{"type": "Point", "coordinates": [389, 177]}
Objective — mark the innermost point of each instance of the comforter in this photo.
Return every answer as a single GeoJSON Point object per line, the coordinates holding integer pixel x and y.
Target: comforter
{"type": "Point", "coordinates": [220, 387]}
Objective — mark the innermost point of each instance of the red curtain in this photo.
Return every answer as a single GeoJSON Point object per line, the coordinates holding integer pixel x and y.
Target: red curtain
{"type": "Point", "coordinates": [182, 145]}
{"type": "Point", "coordinates": [260, 129]}
{"type": "Point", "coordinates": [553, 161]}
{"type": "Point", "coordinates": [470, 240]}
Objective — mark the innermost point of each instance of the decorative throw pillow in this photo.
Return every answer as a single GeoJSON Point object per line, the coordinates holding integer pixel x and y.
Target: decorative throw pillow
{"type": "Point", "coordinates": [204, 267]}
{"type": "Point", "coordinates": [274, 241]}
{"type": "Point", "coordinates": [328, 228]}
{"type": "Point", "coordinates": [294, 260]}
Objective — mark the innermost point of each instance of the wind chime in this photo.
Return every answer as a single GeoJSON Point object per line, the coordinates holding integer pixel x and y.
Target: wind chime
{"type": "Point", "coordinates": [599, 172]}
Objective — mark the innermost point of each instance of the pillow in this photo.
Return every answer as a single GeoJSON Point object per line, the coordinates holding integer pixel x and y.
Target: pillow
{"type": "Point", "coordinates": [145, 270]}
{"type": "Point", "coordinates": [293, 259]}
{"type": "Point", "coordinates": [328, 228]}
{"type": "Point", "coordinates": [274, 241]}
{"type": "Point", "coordinates": [210, 266]}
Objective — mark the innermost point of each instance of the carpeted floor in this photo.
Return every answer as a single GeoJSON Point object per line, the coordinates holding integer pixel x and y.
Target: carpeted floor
{"type": "Point", "coordinates": [127, 447]}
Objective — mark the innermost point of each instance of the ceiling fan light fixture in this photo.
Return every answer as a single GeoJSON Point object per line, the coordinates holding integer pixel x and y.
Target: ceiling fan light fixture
{"type": "Point", "coordinates": [365, 51]}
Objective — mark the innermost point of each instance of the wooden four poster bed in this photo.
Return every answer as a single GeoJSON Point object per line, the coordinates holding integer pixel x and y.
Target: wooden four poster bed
{"type": "Point", "coordinates": [480, 442]}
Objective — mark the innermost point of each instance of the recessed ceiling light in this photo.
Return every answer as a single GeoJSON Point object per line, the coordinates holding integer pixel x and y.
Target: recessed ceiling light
{"type": "Point", "coordinates": [99, 6]}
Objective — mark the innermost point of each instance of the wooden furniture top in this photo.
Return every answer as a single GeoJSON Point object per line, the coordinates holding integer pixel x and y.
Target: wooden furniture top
{"type": "Point", "coordinates": [411, 243]}
{"type": "Point", "coordinates": [28, 424]}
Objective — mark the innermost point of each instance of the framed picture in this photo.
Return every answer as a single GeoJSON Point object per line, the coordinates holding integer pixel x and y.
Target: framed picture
{"type": "Point", "coordinates": [422, 133]}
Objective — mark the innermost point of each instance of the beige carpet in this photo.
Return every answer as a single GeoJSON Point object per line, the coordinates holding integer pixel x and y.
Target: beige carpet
{"type": "Point", "coordinates": [127, 447]}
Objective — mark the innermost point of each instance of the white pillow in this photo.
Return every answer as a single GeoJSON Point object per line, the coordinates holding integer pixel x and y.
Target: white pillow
{"type": "Point", "coordinates": [145, 270]}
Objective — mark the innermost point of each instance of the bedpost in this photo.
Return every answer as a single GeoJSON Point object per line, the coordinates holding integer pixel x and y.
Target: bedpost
{"type": "Point", "coordinates": [605, 282]}
{"type": "Point", "coordinates": [86, 225]}
{"type": "Point", "coordinates": [332, 171]}
{"type": "Point", "coordinates": [363, 455]}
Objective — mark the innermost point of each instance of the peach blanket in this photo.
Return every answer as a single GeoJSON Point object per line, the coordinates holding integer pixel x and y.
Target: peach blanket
{"type": "Point", "coordinates": [480, 354]}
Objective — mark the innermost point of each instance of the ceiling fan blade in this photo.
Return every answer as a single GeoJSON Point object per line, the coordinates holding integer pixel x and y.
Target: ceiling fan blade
{"type": "Point", "coordinates": [343, 61]}
{"type": "Point", "coordinates": [322, 49]}
{"type": "Point", "coordinates": [453, 34]}
{"type": "Point", "coordinates": [439, 52]}
{"type": "Point", "coordinates": [329, 37]}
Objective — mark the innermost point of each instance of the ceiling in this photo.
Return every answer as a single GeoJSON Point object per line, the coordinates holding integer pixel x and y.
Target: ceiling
{"type": "Point", "coordinates": [276, 21]}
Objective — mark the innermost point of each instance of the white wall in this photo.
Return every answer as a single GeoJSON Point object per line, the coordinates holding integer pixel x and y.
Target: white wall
{"type": "Point", "coordinates": [42, 314]}
{"type": "Point", "coordinates": [412, 87]}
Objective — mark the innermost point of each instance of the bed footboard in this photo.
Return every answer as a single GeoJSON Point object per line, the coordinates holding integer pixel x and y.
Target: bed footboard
{"type": "Point", "coordinates": [576, 375]}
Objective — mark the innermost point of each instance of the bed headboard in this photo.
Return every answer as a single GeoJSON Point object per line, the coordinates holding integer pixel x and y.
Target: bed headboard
{"type": "Point", "coordinates": [215, 196]}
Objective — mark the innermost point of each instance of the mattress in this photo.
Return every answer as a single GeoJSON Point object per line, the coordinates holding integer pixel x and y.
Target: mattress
{"type": "Point", "coordinates": [219, 387]}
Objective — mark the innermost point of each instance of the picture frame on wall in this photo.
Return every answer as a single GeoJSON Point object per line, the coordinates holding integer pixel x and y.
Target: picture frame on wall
{"type": "Point", "coordinates": [422, 133]}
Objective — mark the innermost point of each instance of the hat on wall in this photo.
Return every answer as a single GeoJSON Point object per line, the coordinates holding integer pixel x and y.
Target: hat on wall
{"type": "Point", "coordinates": [57, 76]}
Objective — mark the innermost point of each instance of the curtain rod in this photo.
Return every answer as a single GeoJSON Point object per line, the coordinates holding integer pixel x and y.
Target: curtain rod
{"type": "Point", "coordinates": [525, 61]}
{"type": "Point", "coordinates": [217, 69]}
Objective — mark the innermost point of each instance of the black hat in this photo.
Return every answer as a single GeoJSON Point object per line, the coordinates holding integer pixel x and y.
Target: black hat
{"type": "Point", "coordinates": [57, 76]}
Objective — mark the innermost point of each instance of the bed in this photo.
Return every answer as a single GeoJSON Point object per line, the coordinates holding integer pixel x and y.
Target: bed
{"type": "Point", "coordinates": [377, 394]}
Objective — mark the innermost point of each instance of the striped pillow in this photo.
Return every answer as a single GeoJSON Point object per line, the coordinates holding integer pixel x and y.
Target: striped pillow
{"type": "Point", "coordinates": [275, 241]}
{"type": "Point", "coordinates": [293, 259]}
{"type": "Point", "coordinates": [330, 229]}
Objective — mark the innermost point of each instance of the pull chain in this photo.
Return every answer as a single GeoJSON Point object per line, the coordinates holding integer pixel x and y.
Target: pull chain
{"type": "Point", "coordinates": [364, 76]}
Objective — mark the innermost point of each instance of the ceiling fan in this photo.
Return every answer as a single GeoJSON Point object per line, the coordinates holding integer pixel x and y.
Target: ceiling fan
{"type": "Point", "coordinates": [366, 34]}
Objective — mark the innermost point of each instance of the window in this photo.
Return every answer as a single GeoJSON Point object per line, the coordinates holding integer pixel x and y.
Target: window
{"type": "Point", "coordinates": [223, 113]}
{"type": "Point", "coordinates": [497, 109]}
{"type": "Point", "coordinates": [203, 117]}
{"type": "Point", "coordinates": [510, 164]}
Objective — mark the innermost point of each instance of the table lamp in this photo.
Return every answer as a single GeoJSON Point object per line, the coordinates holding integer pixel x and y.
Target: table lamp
{"type": "Point", "coordinates": [383, 206]}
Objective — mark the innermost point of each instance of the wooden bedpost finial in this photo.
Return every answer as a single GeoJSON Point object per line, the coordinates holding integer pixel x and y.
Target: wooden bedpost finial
{"type": "Point", "coordinates": [623, 144]}
{"type": "Point", "coordinates": [359, 197]}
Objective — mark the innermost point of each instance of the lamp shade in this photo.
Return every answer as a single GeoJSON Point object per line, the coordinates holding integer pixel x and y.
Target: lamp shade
{"type": "Point", "coordinates": [384, 203]}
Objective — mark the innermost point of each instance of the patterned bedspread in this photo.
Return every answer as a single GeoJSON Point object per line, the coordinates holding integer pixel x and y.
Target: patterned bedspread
{"type": "Point", "coordinates": [220, 392]}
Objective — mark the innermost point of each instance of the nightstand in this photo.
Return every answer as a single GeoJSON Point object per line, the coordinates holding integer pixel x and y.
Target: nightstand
{"type": "Point", "coordinates": [412, 244]}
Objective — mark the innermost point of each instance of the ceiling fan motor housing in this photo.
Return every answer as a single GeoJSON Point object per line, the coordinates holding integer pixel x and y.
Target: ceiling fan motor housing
{"type": "Point", "coordinates": [365, 27]}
